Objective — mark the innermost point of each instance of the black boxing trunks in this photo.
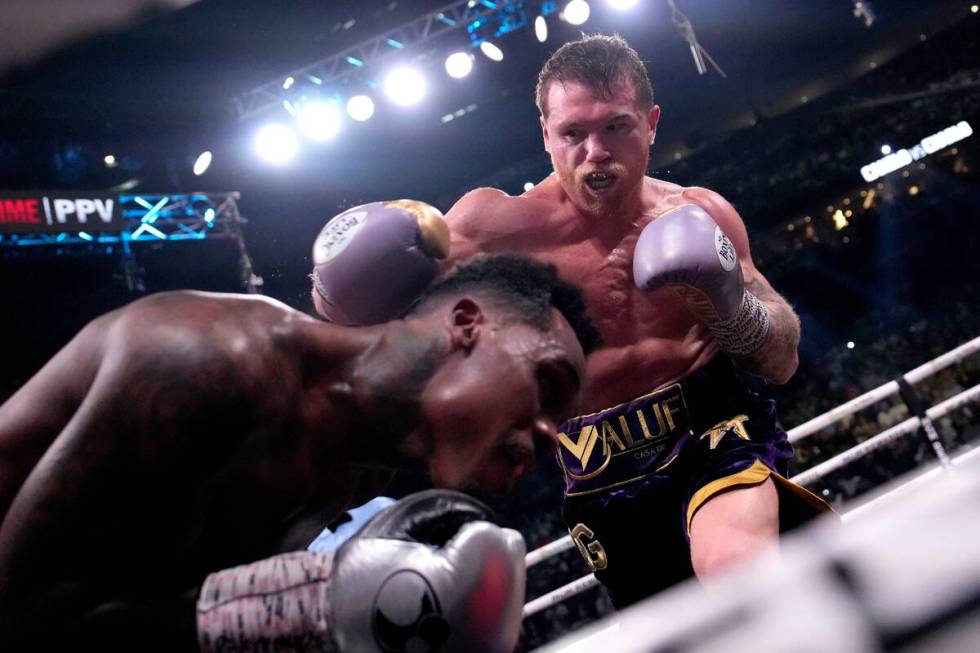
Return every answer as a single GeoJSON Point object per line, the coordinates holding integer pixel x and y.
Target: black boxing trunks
{"type": "Point", "coordinates": [636, 473]}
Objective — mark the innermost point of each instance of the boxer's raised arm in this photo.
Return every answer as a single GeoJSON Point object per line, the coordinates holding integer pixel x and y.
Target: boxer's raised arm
{"type": "Point", "coordinates": [702, 249]}
{"type": "Point", "coordinates": [778, 358]}
{"type": "Point", "coordinates": [371, 262]}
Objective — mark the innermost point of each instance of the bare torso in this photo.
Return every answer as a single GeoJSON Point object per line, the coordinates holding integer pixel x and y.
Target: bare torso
{"type": "Point", "coordinates": [649, 338]}
{"type": "Point", "coordinates": [195, 437]}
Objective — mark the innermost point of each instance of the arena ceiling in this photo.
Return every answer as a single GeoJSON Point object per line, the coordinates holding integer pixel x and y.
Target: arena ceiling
{"type": "Point", "coordinates": [152, 82]}
{"type": "Point", "coordinates": [168, 69]}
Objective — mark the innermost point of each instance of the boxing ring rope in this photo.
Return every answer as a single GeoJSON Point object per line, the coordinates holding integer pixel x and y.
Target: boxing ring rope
{"type": "Point", "coordinates": [907, 426]}
{"type": "Point", "coordinates": [884, 391]}
{"type": "Point", "coordinates": [867, 506]}
{"type": "Point", "coordinates": [560, 545]}
{"type": "Point", "coordinates": [554, 597]}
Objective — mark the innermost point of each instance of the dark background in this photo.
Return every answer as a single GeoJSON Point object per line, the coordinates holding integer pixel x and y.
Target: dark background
{"type": "Point", "coordinates": [811, 95]}
{"type": "Point", "coordinates": [157, 89]}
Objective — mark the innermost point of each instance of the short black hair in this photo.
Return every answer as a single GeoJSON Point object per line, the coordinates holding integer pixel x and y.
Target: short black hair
{"type": "Point", "coordinates": [599, 62]}
{"type": "Point", "coordinates": [528, 287]}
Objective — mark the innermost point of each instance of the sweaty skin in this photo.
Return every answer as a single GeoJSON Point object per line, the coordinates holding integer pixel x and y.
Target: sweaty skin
{"type": "Point", "coordinates": [649, 338]}
{"type": "Point", "coordinates": [187, 432]}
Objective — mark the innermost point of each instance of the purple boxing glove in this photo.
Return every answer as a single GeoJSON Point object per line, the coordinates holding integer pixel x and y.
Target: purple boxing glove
{"type": "Point", "coordinates": [687, 250]}
{"type": "Point", "coordinates": [372, 261]}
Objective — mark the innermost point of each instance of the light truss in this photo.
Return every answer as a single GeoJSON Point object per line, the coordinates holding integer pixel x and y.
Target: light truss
{"type": "Point", "coordinates": [152, 218]}
{"type": "Point", "coordinates": [470, 15]}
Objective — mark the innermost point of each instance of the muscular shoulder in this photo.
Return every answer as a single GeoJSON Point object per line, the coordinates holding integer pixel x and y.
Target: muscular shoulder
{"type": "Point", "coordinates": [487, 219]}
{"type": "Point", "coordinates": [189, 330]}
{"type": "Point", "coordinates": [470, 213]}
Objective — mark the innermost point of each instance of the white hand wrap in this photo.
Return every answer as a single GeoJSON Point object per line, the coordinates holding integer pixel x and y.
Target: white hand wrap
{"type": "Point", "coordinates": [744, 333]}
{"type": "Point", "coordinates": [276, 604]}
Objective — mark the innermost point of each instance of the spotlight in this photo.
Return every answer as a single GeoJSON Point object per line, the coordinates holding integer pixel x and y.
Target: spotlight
{"type": "Point", "coordinates": [850, 344]}
{"type": "Point", "coordinates": [541, 28]}
{"type": "Point", "coordinates": [863, 12]}
{"type": "Point", "coordinates": [528, 185]}
{"type": "Point", "coordinates": [276, 144]}
{"type": "Point", "coordinates": [459, 64]}
{"type": "Point", "coordinates": [405, 86]}
{"type": "Point", "coordinates": [886, 149]}
{"type": "Point", "coordinates": [129, 184]}
{"type": "Point", "coordinates": [360, 108]}
{"type": "Point", "coordinates": [622, 4]}
{"type": "Point", "coordinates": [492, 51]}
{"type": "Point", "coordinates": [576, 12]}
{"type": "Point", "coordinates": [110, 161]}
{"type": "Point", "coordinates": [202, 163]}
{"type": "Point", "coordinates": [318, 120]}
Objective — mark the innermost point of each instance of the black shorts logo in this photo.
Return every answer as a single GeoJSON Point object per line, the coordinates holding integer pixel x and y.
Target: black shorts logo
{"type": "Point", "coordinates": [623, 443]}
{"type": "Point", "coordinates": [589, 547]}
{"type": "Point", "coordinates": [734, 426]}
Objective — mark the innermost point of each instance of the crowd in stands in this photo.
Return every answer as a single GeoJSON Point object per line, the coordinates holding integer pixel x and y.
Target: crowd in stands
{"type": "Point", "coordinates": [883, 355]}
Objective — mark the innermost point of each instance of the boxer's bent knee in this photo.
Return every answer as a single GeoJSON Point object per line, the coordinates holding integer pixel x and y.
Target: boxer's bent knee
{"type": "Point", "coordinates": [733, 526]}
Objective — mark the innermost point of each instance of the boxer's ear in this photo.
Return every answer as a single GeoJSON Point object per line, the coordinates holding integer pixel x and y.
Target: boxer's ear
{"type": "Point", "coordinates": [544, 133]}
{"type": "Point", "coordinates": [464, 322]}
{"type": "Point", "coordinates": [652, 119]}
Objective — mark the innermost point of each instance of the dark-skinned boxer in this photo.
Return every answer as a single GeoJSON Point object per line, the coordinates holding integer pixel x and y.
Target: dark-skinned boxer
{"type": "Point", "coordinates": [181, 435]}
{"type": "Point", "coordinates": [670, 435]}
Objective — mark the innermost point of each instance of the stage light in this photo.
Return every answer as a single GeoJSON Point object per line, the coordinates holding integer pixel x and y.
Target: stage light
{"type": "Point", "coordinates": [405, 86]}
{"type": "Point", "coordinates": [202, 163]}
{"type": "Point", "coordinates": [276, 144]}
{"type": "Point", "coordinates": [110, 161]}
{"type": "Point", "coordinates": [318, 120]}
{"type": "Point", "coordinates": [129, 184]}
{"type": "Point", "coordinates": [360, 107]}
{"type": "Point", "coordinates": [863, 12]}
{"type": "Point", "coordinates": [622, 4]}
{"type": "Point", "coordinates": [576, 12]}
{"type": "Point", "coordinates": [850, 344]}
{"type": "Point", "coordinates": [886, 149]}
{"type": "Point", "coordinates": [528, 185]}
{"type": "Point", "coordinates": [492, 51]}
{"type": "Point", "coordinates": [541, 29]}
{"type": "Point", "coordinates": [459, 64]}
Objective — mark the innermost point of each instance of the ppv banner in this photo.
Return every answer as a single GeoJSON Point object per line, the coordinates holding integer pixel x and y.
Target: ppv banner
{"type": "Point", "coordinates": [55, 212]}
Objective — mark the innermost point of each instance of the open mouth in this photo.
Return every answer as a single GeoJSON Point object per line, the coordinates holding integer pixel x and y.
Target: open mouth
{"type": "Point", "coordinates": [599, 180]}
